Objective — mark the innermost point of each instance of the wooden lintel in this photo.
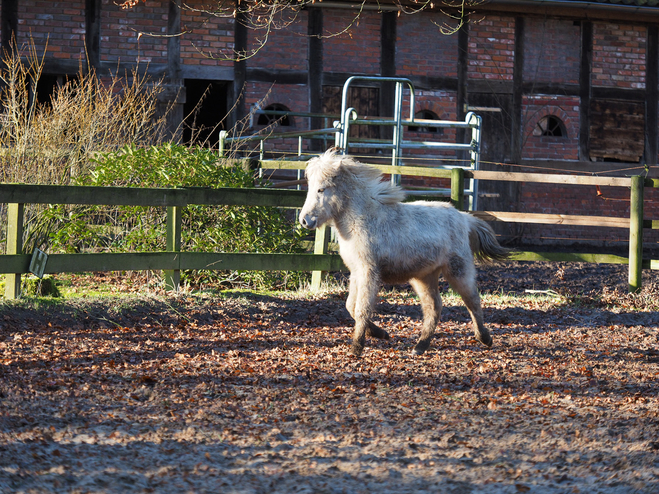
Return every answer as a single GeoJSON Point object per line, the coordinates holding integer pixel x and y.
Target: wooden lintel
{"type": "Point", "coordinates": [280, 76]}
{"type": "Point", "coordinates": [489, 86]}
{"type": "Point", "coordinates": [565, 89]}
{"type": "Point", "coordinates": [621, 94]}
{"type": "Point", "coordinates": [210, 72]}
{"type": "Point", "coordinates": [604, 11]}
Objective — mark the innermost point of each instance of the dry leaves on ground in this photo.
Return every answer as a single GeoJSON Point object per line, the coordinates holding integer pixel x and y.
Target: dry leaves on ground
{"type": "Point", "coordinates": [252, 393]}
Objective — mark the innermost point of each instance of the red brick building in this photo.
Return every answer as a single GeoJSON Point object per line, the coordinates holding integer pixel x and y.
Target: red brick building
{"type": "Point", "coordinates": [563, 85]}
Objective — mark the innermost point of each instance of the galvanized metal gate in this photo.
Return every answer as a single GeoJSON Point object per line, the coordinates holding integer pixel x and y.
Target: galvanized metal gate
{"type": "Point", "coordinates": [397, 144]}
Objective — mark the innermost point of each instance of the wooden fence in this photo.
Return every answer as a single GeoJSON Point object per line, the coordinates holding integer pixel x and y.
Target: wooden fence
{"type": "Point", "coordinates": [15, 262]}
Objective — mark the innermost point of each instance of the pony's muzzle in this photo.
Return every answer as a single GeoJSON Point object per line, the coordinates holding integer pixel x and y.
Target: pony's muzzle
{"type": "Point", "coordinates": [308, 222]}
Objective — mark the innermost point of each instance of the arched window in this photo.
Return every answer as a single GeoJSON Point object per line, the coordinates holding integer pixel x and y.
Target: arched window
{"type": "Point", "coordinates": [426, 115]}
{"type": "Point", "coordinates": [269, 119]}
{"type": "Point", "coordinates": [550, 126]}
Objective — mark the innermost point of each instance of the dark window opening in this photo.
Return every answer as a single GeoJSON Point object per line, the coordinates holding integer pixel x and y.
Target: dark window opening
{"type": "Point", "coordinates": [46, 87]}
{"type": "Point", "coordinates": [550, 126]}
{"type": "Point", "coordinates": [266, 119]}
{"type": "Point", "coordinates": [426, 115]}
{"type": "Point", "coordinates": [205, 111]}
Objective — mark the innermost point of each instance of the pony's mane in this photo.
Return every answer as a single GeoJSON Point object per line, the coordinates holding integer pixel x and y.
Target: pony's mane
{"type": "Point", "coordinates": [331, 164]}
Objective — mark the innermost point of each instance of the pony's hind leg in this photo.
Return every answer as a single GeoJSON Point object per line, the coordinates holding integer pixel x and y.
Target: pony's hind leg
{"type": "Point", "coordinates": [372, 330]}
{"type": "Point", "coordinates": [427, 288]}
{"type": "Point", "coordinates": [461, 275]}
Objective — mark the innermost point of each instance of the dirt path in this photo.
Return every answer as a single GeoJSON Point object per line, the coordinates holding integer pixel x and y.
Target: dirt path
{"type": "Point", "coordinates": [258, 394]}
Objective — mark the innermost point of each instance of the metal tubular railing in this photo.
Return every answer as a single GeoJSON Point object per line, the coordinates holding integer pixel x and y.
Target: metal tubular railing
{"type": "Point", "coordinates": [349, 118]}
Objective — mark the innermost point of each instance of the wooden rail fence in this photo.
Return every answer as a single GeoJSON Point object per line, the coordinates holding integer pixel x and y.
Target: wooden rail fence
{"type": "Point", "coordinates": [15, 262]}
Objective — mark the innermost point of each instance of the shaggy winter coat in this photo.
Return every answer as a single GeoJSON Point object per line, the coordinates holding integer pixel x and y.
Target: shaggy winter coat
{"type": "Point", "coordinates": [381, 239]}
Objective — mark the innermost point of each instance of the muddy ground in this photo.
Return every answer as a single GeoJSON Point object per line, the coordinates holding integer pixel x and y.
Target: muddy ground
{"type": "Point", "coordinates": [247, 393]}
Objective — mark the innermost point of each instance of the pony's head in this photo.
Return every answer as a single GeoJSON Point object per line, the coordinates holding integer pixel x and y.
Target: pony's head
{"type": "Point", "coordinates": [334, 179]}
{"type": "Point", "coordinates": [321, 176]}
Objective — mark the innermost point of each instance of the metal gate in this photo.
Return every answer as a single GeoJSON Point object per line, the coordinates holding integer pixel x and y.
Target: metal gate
{"type": "Point", "coordinates": [397, 145]}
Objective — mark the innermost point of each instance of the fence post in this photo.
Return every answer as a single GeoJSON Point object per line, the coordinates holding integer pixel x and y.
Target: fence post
{"type": "Point", "coordinates": [173, 276]}
{"type": "Point", "coordinates": [458, 188]}
{"type": "Point", "coordinates": [320, 246]}
{"type": "Point", "coordinates": [636, 235]}
{"type": "Point", "coordinates": [14, 246]}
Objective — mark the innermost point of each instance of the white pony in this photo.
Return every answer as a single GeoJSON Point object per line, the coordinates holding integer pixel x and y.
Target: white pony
{"type": "Point", "coordinates": [381, 239]}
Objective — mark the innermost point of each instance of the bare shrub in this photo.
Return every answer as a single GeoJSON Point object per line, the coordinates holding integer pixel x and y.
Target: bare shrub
{"type": "Point", "coordinates": [50, 142]}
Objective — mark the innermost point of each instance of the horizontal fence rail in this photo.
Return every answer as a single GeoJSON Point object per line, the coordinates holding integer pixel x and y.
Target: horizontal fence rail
{"type": "Point", "coordinates": [138, 261]}
{"type": "Point", "coordinates": [133, 196]}
{"type": "Point", "coordinates": [15, 262]}
{"type": "Point", "coordinates": [171, 261]}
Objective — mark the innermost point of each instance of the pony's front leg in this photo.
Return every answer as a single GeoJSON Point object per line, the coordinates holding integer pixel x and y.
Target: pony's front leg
{"type": "Point", "coordinates": [367, 286]}
{"type": "Point", "coordinates": [373, 330]}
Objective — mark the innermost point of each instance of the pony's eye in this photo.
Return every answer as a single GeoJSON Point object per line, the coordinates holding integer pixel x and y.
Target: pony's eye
{"type": "Point", "coordinates": [320, 191]}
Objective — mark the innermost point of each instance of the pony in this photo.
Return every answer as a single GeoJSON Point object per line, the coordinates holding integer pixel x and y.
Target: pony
{"type": "Point", "coordinates": [383, 240]}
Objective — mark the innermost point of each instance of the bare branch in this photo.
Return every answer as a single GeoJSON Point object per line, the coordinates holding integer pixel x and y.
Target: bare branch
{"type": "Point", "coordinates": [266, 16]}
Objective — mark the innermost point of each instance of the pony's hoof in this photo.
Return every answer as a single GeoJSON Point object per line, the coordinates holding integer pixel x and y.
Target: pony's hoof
{"type": "Point", "coordinates": [485, 340]}
{"type": "Point", "coordinates": [421, 348]}
{"type": "Point", "coordinates": [356, 350]}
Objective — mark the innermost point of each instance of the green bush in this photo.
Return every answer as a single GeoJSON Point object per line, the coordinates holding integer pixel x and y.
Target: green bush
{"type": "Point", "coordinates": [204, 229]}
{"type": "Point", "coordinates": [50, 140]}
{"type": "Point", "coordinates": [44, 287]}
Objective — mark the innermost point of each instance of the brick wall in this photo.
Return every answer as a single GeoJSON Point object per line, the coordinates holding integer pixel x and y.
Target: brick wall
{"type": "Point", "coordinates": [293, 96]}
{"type": "Point", "coordinates": [436, 56]}
{"type": "Point", "coordinates": [618, 56]}
{"type": "Point", "coordinates": [551, 56]}
{"type": "Point", "coordinates": [492, 48]}
{"type": "Point", "coordinates": [120, 33]}
{"type": "Point", "coordinates": [286, 49]}
{"type": "Point", "coordinates": [442, 104]}
{"type": "Point", "coordinates": [566, 108]}
{"type": "Point", "coordinates": [206, 40]}
{"type": "Point", "coordinates": [583, 200]}
{"type": "Point", "coordinates": [552, 51]}
{"type": "Point", "coordinates": [363, 38]}
{"type": "Point", "coordinates": [59, 25]}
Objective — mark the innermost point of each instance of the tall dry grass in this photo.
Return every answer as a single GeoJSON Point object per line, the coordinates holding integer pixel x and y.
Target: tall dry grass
{"type": "Point", "coordinates": [50, 142]}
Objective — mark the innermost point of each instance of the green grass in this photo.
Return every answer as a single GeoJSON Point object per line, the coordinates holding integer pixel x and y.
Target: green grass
{"type": "Point", "coordinates": [123, 287]}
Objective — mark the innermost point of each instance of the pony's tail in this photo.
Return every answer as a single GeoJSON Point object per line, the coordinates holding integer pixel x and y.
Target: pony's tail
{"type": "Point", "coordinates": [484, 242]}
